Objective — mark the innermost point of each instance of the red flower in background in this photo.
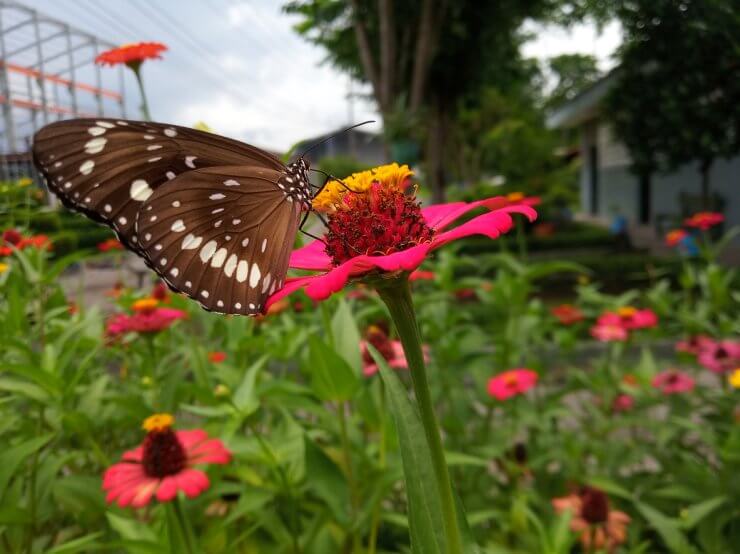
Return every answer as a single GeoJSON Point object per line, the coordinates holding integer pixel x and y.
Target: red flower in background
{"type": "Point", "coordinates": [379, 229]}
{"type": "Point", "coordinates": [421, 275]}
{"type": "Point", "coordinates": [704, 220]}
{"type": "Point", "coordinates": [160, 292]}
{"type": "Point", "coordinates": [511, 383]}
{"type": "Point", "coordinates": [131, 54]}
{"type": "Point", "coordinates": [623, 403]}
{"type": "Point", "coordinates": [391, 350]}
{"type": "Point", "coordinates": [163, 465]}
{"type": "Point", "coordinates": [41, 242]}
{"type": "Point", "coordinates": [629, 318]}
{"type": "Point", "coordinates": [599, 527]}
{"type": "Point", "coordinates": [567, 314]}
{"type": "Point", "coordinates": [673, 381]}
{"type": "Point", "coordinates": [216, 357]}
{"type": "Point", "coordinates": [109, 245]}
{"type": "Point", "coordinates": [609, 332]}
{"type": "Point", "coordinates": [675, 237]}
{"type": "Point", "coordinates": [13, 239]}
{"type": "Point", "coordinates": [11, 236]}
{"type": "Point", "coordinates": [694, 345]}
{"type": "Point", "coordinates": [148, 317]}
{"type": "Point", "coordinates": [719, 356]}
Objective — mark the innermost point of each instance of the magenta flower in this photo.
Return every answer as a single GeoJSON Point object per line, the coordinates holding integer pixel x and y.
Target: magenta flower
{"type": "Point", "coordinates": [719, 356]}
{"type": "Point", "coordinates": [609, 332]}
{"type": "Point", "coordinates": [163, 465]}
{"type": "Point", "coordinates": [694, 344]}
{"type": "Point", "coordinates": [148, 317]}
{"type": "Point", "coordinates": [673, 381]}
{"type": "Point", "coordinates": [630, 318]}
{"type": "Point", "coordinates": [623, 403]}
{"type": "Point", "coordinates": [391, 350]}
{"type": "Point", "coordinates": [385, 231]}
{"type": "Point", "coordinates": [511, 383]}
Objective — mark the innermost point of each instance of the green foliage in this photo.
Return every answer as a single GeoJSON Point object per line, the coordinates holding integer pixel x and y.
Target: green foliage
{"type": "Point", "coordinates": [341, 166]}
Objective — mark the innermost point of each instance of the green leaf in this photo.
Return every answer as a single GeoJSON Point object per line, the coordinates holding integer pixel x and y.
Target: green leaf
{"type": "Point", "coordinates": [130, 529]}
{"type": "Point", "coordinates": [347, 336]}
{"type": "Point", "coordinates": [327, 481]}
{"type": "Point", "coordinates": [245, 397]}
{"type": "Point", "coordinates": [332, 378]}
{"type": "Point", "coordinates": [667, 528]}
{"type": "Point", "coordinates": [694, 514]}
{"type": "Point", "coordinates": [80, 544]}
{"type": "Point", "coordinates": [425, 511]}
{"type": "Point", "coordinates": [12, 458]}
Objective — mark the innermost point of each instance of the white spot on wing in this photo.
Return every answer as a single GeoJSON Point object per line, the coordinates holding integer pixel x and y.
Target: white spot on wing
{"type": "Point", "coordinates": [264, 244]}
{"type": "Point", "coordinates": [174, 272]}
{"type": "Point", "coordinates": [241, 271]}
{"type": "Point", "coordinates": [107, 208]}
{"type": "Point", "coordinates": [219, 257]}
{"type": "Point", "coordinates": [254, 275]}
{"type": "Point", "coordinates": [163, 261]}
{"type": "Point", "coordinates": [178, 226]}
{"type": "Point", "coordinates": [231, 183]}
{"type": "Point", "coordinates": [238, 305]}
{"type": "Point", "coordinates": [170, 132]}
{"type": "Point", "coordinates": [217, 196]}
{"type": "Point", "coordinates": [86, 167]}
{"type": "Point", "coordinates": [106, 124]}
{"type": "Point", "coordinates": [245, 242]}
{"type": "Point", "coordinates": [236, 221]}
{"type": "Point", "coordinates": [266, 283]}
{"type": "Point", "coordinates": [189, 161]}
{"type": "Point", "coordinates": [92, 146]}
{"type": "Point", "coordinates": [208, 250]}
{"type": "Point", "coordinates": [154, 147]}
{"type": "Point", "coordinates": [96, 131]}
{"type": "Point", "coordinates": [191, 242]}
{"type": "Point", "coordinates": [204, 293]}
{"type": "Point", "coordinates": [170, 175]}
{"type": "Point", "coordinates": [176, 204]}
{"type": "Point", "coordinates": [122, 220]}
{"type": "Point", "coordinates": [230, 265]}
{"type": "Point", "coordinates": [140, 190]}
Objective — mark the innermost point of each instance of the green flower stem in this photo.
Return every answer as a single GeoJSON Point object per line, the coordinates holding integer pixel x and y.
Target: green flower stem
{"type": "Point", "coordinates": [144, 104]}
{"type": "Point", "coordinates": [351, 482]}
{"type": "Point", "coordinates": [396, 294]}
{"type": "Point", "coordinates": [186, 530]}
{"type": "Point", "coordinates": [373, 541]}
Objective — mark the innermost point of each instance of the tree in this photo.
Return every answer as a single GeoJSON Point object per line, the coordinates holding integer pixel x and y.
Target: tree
{"type": "Point", "coordinates": [573, 73]}
{"type": "Point", "coordinates": [423, 57]}
{"type": "Point", "coordinates": [677, 93]}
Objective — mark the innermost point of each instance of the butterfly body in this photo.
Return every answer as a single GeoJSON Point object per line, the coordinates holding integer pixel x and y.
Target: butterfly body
{"type": "Point", "coordinates": [214, 217]}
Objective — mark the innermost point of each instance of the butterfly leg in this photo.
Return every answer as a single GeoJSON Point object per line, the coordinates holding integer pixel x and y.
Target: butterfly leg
{"type": "Point", "coordinates": [303, 222]}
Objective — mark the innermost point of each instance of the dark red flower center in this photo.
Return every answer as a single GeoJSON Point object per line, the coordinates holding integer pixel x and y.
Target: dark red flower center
{"type": "Point", "coordinates": [594, 506]}
{"type": "Point", "coordinates": [379, 222]}
{"type": "Point", "coordinates": [163, 454]}
{"type": "Point", "coordinates": [11, 236]}
{"type": "Point", "coordinates": [672, 379]}
{"type": "Point", "coordinates": [721, 353]}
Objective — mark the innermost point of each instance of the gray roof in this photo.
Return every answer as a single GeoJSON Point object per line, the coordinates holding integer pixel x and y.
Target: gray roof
{"type": "Point", "coordinates": [583, 107]}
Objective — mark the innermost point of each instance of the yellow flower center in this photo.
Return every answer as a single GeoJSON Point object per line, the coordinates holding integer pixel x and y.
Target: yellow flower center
{"type": "Point", "coordinates": [4, 267]}
{"type": "Point", "coordinates": [734, 378]}
{"type": "Point", "coordinates": [511, 379]}
{"type": "Point", "coordinates": [626, 311]}
{"type": "Point", "coordinates": [390, 176]}
{"type": "Point", "coordinates": [515, 196]}
{"type": "Point", "coordinates": [144, 305]}
{"type": "Point", "coordinates": [158, 422]}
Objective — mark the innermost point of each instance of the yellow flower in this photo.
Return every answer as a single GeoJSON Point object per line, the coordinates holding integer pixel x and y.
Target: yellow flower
{"type": "Point", "coordinates": [144, 305]}
{"type": "Point", "coordinates": [734, 378]}
{"type": "Point", "coordinates": [626, 311]}
{"type": "Point", "coordinates": [4, 267]}
{"type": "Point", "coordinates": [221, 390]}
{"type": "Point", "coordinates": [158, 422]}
{"type": "Point", "coordinates": [25, 181]}
{"type": "Point", "coordinates": [391, 175]}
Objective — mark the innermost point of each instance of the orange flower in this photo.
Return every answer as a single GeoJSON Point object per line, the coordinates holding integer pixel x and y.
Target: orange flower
{"type": "Point", "coordinates": [599, 527]}
{"type": "Point", "coordinates": [131, 54]}
{"type": "Point", "coordinates": [674, 237]}
{"type": "Point", "coordinates": [216, 357]}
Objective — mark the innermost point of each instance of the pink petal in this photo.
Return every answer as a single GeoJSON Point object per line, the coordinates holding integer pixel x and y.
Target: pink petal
{"type": "Point", "coordinates": [190, 437]}
{"type": "Point", "coordinates": [439, 216]}
{"type": "Point", "coordinates": [368, 370]}
{"type": "Point", "coordinates": [122, 473]}
{"type": "Point", "coordinates": [311, 256]}
{"type": "Point", "coordinates": [210, 452]}
{"type": "Point", "coordinates": [291, 285]}
{"type": "Point", "coordinates": [134, 455]}
{"type": "Point", "coordinates": [192, 482]}
{"type": "Point", "coordinates": [144, 493]}
{"type": "Point", "coordinates": [492, 225]}
{"type": "Point", "coordinates": [167, 489]}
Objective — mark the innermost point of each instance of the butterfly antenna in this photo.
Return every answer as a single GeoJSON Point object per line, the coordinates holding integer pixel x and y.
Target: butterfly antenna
{"type": "Point", "coordinates": [330, 177]}
{"type": "Point", "coordinates": [334, 135]}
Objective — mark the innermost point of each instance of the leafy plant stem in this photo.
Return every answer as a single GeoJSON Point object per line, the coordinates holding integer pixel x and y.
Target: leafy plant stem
{"type": "Point", "coordinates": [185, 528]}
{"type": "Point", "coordinates": [32, 486]}
{"type": "Point", "coordinates": [144, 103]}
{"type": "Point", "coordinates": [396, 294]}
{"type": "Point", "coordinates": [346, 452]}
{"type": "Point", "coordinates": [373, 540]}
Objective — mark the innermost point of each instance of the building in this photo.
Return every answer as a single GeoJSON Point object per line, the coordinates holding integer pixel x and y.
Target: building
{"type": "Point", "coordinates": [608, 188]}
{"type": "Point", "coordinates": [367, 148]}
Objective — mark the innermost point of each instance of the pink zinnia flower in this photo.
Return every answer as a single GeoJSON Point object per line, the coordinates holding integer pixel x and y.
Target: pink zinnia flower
{"type": "Point", "coordinates": [609, 332]}
{"type": "Point", "coordinates": [567, 314]}
{"type": "Point", "coordinates": [694, 344]}
{"type": "Point", "coordinates": [163, 465]}
{"type": "Point", "coordinates": [704, 220]}
{"type": "Point", "coordinates": [379, 229]}
{"type": "Point", "coordinates": [629, 317]}
{"type": "Point", "coordinates": [623, 403]}
{"type": "Point", "coordinates": [719, 356]}
{"type": "Point", "coordinates": [391, 350]}
{"type": "Point", "coordinates": [511, 383]}
{"type": "Point", "coordinates": [421, 275]}
{"type": "Point", "coordinates": [147, 318]}
{"type": "Point", "coordinates": [673, 381]}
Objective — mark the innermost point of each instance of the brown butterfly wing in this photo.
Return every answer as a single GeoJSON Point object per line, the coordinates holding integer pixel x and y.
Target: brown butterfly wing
{"type": "Point", "coordinates": [221, 235]}
{"type": "Point", "coordinates": [107, 168]}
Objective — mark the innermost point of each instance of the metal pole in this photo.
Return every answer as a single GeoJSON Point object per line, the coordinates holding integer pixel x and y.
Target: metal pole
{"type": "Point", "coordinates": [98, 79]}
{"type": "Point", "coordinates": [42, 84]}
{"type": "Point", "coordinates": [122, 85]}
{"type": "Point", "coordinates": [71, 59]}
{"type": "Point", "coordinates": [5, 91]}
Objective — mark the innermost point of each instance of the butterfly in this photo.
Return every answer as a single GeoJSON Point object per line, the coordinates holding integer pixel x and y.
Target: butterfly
{"type": "Point", "coordinates": [214, 217]}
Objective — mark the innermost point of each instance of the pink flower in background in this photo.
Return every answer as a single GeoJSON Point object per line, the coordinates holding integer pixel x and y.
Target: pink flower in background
{"type": "Point", "coordinates": [719, 356]}
{"type": "Point", "coordinates": [511, 383]}
{"type": "Point", "coordinates": [421, 275]}
{"type": "Point", "coordinates": [704, 220]}
{"type": "Point", "coordinates": [379, 229]}
{"type": "Point", "coordinates": [630, 318]}
{"type": "Point", "coordinates": [609, 332]}
{"type": "Point", "coordinates": [623, 403]}
{"type": "Point", "coordinates": [694, 344]}
{"type": "Point", "coordinates": [391, 350]}
{"type": "Point", "coordinates": [148, 317]}
{"type": "Point", "coordinates": [163, 465]}
{"type": "Point", "coordinates": [567, 314]}
{"type": "Point", "coordinates": [673, 381]}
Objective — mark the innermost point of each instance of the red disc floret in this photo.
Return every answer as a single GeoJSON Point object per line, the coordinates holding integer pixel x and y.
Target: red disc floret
{"type": "Point", "coordinates": [163, 454]}
{"type": "Point", "coordinates": [380, 222]}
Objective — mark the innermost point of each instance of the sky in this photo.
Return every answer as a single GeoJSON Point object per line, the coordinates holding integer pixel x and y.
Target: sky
{"type": "Point", "coordinates": [239, 66]}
